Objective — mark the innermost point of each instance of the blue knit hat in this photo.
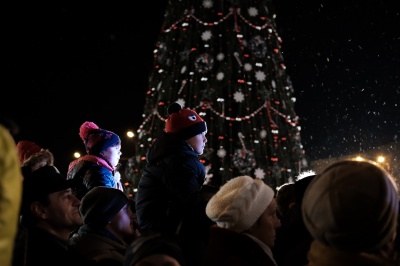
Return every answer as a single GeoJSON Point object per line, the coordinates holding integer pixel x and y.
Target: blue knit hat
{"type": "Point", "coordinates": [96, 139]}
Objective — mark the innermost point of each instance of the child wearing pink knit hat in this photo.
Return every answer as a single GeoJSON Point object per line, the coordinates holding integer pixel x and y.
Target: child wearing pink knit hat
{"type": "Point", "coordinates": [99, 166]}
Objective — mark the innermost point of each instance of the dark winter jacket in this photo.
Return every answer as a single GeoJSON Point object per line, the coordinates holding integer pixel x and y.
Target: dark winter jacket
{"type": "Point", "coordinates": [169, 197]}
{"type": "Point", "coordinates": [322, 255]}
{"type": "Point", "coordinates": [227, 247]}
{"type": "Point", "coordinates": [169, 189]}
{"type": "Point", "coordinates": [98, 246]}
{"type": "Point", "coordinates": [88, 172]}
{"type": "Point", "coordinates": [35, 246]}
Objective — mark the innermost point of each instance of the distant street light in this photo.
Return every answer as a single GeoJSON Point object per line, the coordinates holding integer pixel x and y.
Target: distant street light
{"type": "Point", "coordinates": [380, 159]}
{"type": "Point", "coordinates": [130, 134]}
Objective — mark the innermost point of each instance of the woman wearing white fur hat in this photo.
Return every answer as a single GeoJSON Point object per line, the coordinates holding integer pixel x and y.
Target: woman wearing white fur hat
{"type": "Point", "coordinates": [244, 210]}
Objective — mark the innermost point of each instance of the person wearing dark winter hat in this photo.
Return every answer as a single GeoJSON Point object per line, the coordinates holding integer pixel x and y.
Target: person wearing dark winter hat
{"type": "Point", "coordinates": [49, 213]}
{"type": "Point", "coordinates": [107, 221]}
{"type": "Point", "coordinates": [351, 210]}
{"type": "Point", "coordinates": [32, 156]}
{"type": "Point", "coordinates": [293, 239]}
{"type": "Point", "coordinates": [245, 213]}
{"type": "Point", "coordinates": [154, 249]}
{"type": "Point", "coordinates": [169, 198]}
{"type": "Point", "coordinates": [99, 166]}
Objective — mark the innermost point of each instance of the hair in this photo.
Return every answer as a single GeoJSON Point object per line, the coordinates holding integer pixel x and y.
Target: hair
{"type": "Point", "coordinates": [284, 196]}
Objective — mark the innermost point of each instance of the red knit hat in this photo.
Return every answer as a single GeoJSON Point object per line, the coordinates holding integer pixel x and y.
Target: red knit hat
{"type": "Point", "coordinates": [25, 149]}
{"type": "Point", "coordinates": [96, 139]}
{"type": "Point", "coordinates": [185, 123]}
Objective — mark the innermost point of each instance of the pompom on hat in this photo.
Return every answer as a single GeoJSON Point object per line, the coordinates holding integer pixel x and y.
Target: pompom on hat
{"type": "Point", "coordinates": [239, 203]}
{"type": "Point", "coordinates": [101, 204]}
{"type": "Point", "coordinates": [352, 206]}
{"type": "Point", "coordinates": [97, 140]}
{"type": "Point", "coordinates": [185, 123]}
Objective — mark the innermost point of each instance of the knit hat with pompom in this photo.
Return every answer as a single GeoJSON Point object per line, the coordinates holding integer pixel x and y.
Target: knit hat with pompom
{"type": "Point", "coordinates": [239, 203]}
{"type": "Point", "coordinates": [185, 123]}
{"type": "Point", "coordinates": [97, 140]}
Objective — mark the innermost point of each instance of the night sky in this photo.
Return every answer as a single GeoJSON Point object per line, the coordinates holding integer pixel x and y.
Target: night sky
{"type": "Point", "coordinates": [67, 64]}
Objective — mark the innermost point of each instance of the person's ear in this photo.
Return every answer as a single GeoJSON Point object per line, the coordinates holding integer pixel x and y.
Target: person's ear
{"type": "Point", "coordinates": [38, 210]}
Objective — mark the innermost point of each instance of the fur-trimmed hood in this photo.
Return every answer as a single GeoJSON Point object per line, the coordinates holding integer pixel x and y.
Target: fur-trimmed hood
{"type": "Point", "coordinates": [42, 158]}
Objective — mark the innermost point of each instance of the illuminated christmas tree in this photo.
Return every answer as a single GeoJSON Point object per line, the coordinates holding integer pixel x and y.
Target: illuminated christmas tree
{"type": "Point", "coordinates": [224, 60]}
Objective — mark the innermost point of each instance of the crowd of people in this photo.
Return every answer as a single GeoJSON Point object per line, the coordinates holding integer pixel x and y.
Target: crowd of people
{"type": "Point", "coordinates": [347, 214]}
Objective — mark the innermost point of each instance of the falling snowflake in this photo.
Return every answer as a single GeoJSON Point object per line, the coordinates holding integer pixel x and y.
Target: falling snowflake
{"type": "Point", "coordinates": [220, 76]}
{"type": "Point", "coordinates": [181, 102]}
{"type": "Point", "coordinates": [205, 36]}
{"type": "Point", "coordinates": [238, 96]}
{"type": "Point", "coordinates": [259, 173]}
{"type": "Point", "coordinates": [252, 11]}
{"type": "Point", "coordinates": [208, 4]}
{"type": "Point", "coordinates": [248, 67]}
{"type": "Point", "coordinates": [260, 76]}
{"type": "Point", "coordinates": [263, 134]}
{"type": "Point", "coordinates": [221, 153]}
{"type": "Point", "coordinates": [273, 84]}
{"type": "Point", "coordinates": [220, 56]}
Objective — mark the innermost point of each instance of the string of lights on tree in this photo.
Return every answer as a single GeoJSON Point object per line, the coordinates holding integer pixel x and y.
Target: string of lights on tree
{"type": "Point", "coordinates": [224, 60]}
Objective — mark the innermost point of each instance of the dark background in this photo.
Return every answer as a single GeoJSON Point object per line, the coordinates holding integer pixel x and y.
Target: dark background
{"type": "Point", "coordinates": [71, 63]}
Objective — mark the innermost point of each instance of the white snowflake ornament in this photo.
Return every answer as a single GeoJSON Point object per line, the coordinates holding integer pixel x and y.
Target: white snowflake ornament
{"type": "Point", "coordinates": [220, 76]}
{"type": "Point", "coordinates": [221, 153]}
{"type": "Point", "coordinates": [238, 96]}
{"type": "Point", "coordinates": [208, 4]}
{"type": "Point", "coordinates": [205, 36]}
{"type": "Point", "coordinates": [260, 75]}
{"type": "Point", "coordinates": [259, 173]}
{"type": "Point", "coordinates": [220, 56]}
{"type": "Point", "coordinates": [247, 67]}
{"type": "Point", "coordinates": [263, 134]}
{"type": "Point", "coordinates": [181, 102]}
{"type": "Point", "coordinates": [252, 11]}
